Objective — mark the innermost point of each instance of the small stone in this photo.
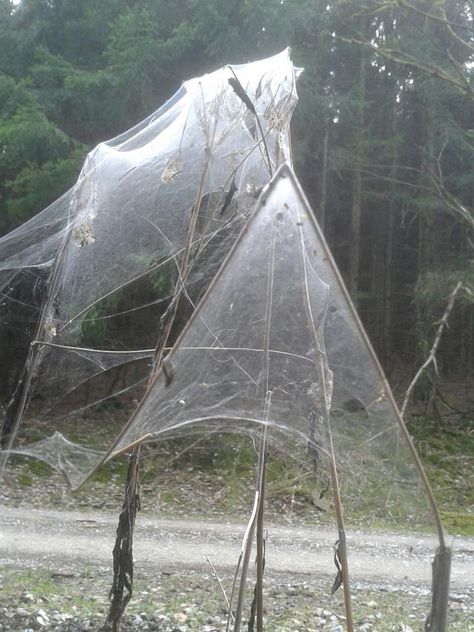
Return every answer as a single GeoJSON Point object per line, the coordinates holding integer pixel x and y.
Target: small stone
{"type": "Point", "coordinates": [159, 616]}
{"type": "Point", "coordinates": [371, 604]}
{"type": "Point", "coordinates": [22, 612]}
{"type": "Point", "coordinates": [42, 617]}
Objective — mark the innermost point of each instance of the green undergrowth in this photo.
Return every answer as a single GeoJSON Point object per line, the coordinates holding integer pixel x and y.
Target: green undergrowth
{"type": "Point", "coordinates": [213, 477]}
{"type": "Point", "coordinates": [447, 453]}
{"type": "Point", "coordinates": [222, 470]}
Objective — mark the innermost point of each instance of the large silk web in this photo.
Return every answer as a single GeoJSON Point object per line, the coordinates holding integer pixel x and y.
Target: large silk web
{"type": "Point", "coordinates": [154, 212]}
{"type": "Point", "coordinates": [276, 342]}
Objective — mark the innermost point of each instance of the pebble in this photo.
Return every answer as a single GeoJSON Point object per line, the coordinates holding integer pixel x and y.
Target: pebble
{"type": "Point", "coordinates": [180, 617]}
{"type": "Point", "coordinates": [42, 617]}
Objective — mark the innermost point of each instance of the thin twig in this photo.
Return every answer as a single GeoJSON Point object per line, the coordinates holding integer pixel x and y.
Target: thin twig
{"type": "Point", "coordinates": [260, 532]}
{"type": "Point", "coordinates": [219, 582]}
{"type": "Point", "coordinates": [431, 359]}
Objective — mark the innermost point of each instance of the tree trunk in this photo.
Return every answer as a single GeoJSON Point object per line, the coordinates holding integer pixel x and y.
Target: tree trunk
{"type": "Point", "coordinates": [356, 209]}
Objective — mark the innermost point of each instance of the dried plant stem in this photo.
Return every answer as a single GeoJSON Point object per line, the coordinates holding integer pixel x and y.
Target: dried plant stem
{"type": "Point", "coordinates": [244, 558]}
{"type": "Point", "coordinates": [243, 561]}
{"type": "Point", "coordinates": [341, 534]}
{"type": "Point", "coordinates": [260, 532]}
{"type": "Point", "coordinates": [230, 614]}
{"type": "Point", "coordinates": [226, 599]}
{"type": "Point", "coordinates": [431, 359]}
{"type": "Point", "coordinates": [122, 586]}
{"type": "Point", "coordinates": [260, 567]}
{"type": "Point", "coordinates": [242, 94]}
{"type": "Point", "coordinates": [441, 572]}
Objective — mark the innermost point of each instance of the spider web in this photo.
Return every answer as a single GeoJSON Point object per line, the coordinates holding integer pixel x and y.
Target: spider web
{"type": "Point", "coordinates": [276, 342]}
{"type": "Point", "coordinates": [85, 283]}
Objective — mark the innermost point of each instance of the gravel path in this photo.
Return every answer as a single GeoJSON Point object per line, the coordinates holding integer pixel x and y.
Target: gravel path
{"type": "Point", "coordinates": [176, 591]}
{"type": "Point", "coordinates": [30, 536]}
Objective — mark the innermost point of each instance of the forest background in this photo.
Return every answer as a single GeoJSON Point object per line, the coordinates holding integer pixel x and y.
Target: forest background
{"type": "Point", "coordinates": [383, 138]}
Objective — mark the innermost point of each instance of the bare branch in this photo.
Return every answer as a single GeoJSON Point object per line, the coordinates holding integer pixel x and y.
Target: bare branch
{"type": "Point", "coordinates": [431, 359]}
{"type": "Point", "coordinates": [436, 18]}
{"type": "Point", "coordinates": [399, 57]}
{"type": "Point", "coordinates": [214, 572]}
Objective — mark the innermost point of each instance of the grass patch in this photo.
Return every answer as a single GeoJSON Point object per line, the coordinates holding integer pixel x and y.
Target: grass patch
{"type": "Point", "coordinates": [193, 599]}
{"type": "Point", "coordinates": [448, 457]}
{"type": "Point", "coordinates": [458, 523]}
{"type": "Point", "coordinates": [113, 469]}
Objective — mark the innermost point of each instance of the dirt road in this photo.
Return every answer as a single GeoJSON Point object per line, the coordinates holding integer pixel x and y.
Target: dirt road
{"type": "Point", "coordinates": [31, 538]}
